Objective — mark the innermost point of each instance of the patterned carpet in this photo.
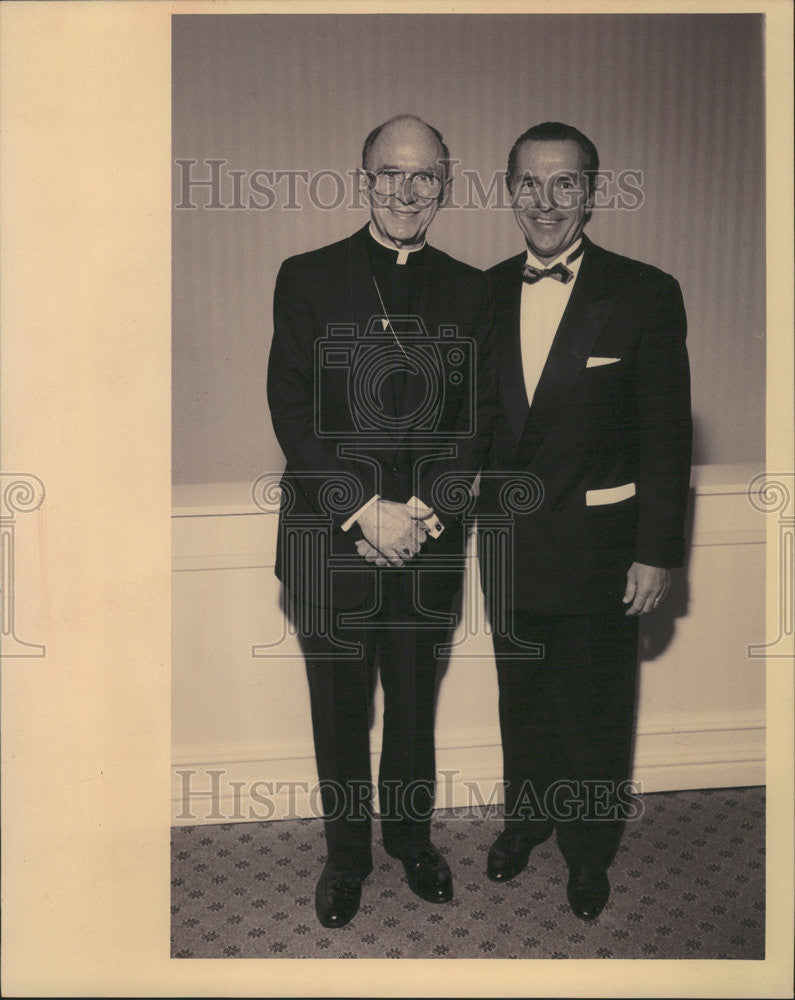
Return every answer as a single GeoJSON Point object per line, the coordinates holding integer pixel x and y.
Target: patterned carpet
{"type": "Point", "coordinates": [688, 882]}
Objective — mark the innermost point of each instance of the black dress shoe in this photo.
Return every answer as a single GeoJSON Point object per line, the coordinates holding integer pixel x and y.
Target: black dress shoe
{"type": "Point", "coordinates": [337, 897]}
{"type": "Point", "coordinates": [508, 855]}
{"type": "Point", "coordinates": [588, 891]}
{"type": "Point", "coordinates": [429, 875]}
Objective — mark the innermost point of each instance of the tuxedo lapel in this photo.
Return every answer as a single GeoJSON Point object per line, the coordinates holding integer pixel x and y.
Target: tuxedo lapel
{"type": "Point", "coordinates": [583, 320]}
{"type": "Point", "coordinates": [507, 303]}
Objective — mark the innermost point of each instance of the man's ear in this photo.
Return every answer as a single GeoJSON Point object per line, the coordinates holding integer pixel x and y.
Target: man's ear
{"type": "Point", "coordinates": [447, 189]}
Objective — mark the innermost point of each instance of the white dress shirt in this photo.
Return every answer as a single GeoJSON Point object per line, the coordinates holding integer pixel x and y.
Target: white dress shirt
{"type": "Point", "coordinates": [543, 304]}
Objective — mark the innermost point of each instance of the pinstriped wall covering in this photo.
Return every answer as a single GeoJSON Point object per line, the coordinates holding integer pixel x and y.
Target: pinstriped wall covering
{"type": "Point", "coordinates": [673, 102]}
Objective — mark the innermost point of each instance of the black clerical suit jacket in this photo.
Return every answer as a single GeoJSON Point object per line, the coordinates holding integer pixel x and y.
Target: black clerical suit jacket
{"type": "Point", "coordinates": [611, 409]}
{"type": "Point", "coordinates": [349, 431]}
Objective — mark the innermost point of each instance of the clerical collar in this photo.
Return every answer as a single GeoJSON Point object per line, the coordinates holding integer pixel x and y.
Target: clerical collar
{"type": "Point", "coordinates": [396, 256]}
{"type": "Point", "coordinates": [570, 257]}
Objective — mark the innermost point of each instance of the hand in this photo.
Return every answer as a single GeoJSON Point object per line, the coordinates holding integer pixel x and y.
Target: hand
{"type": "Point", "coordinates": [393, 530]}
{"type": "Point", "coordinates": [372, 555]}
{"type": "Point", "coordinates": [646, 588]}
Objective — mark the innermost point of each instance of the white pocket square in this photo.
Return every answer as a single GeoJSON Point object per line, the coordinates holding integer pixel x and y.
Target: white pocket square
{"type": "Point", "coordinates": [613, 494]}
{"type": "Point", "coordinates": [594, 362]}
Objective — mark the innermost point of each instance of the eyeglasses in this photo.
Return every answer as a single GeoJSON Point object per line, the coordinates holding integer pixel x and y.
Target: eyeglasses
{"type": "Point", "coordinates": [424, 185]}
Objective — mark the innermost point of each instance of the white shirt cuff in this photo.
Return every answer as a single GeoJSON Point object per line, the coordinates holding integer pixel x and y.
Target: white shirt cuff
{"type": "Point", "coordinates": [355, 517]}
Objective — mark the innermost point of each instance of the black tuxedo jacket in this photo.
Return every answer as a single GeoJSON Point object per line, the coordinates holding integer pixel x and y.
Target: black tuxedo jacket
{"type": "Point", "coordinates": [345, 434]}
{"type": "Point", "coordinates": [612, 408]}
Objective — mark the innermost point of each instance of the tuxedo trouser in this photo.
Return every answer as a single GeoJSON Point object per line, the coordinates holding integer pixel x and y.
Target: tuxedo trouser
{"type": "Point", "coordinates": [341, 694]}
{"type": "Point", "coordinates": [566, 721]}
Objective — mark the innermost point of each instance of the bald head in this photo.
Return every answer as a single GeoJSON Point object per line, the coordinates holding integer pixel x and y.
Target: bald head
{"type": "Point", "coordinates": [404, 131]}
{"type": "Point", "coordinates": [403, 160]}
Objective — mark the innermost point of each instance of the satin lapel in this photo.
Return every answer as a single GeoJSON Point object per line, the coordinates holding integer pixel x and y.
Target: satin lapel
{"type": "Point", "coordinates": [507, 286]}
{"type": "Point", "coordinates": [584, 319]}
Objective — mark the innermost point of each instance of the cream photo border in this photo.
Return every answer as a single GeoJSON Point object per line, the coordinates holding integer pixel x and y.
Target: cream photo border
{"type": "Point", "coordinates": [86, 216]}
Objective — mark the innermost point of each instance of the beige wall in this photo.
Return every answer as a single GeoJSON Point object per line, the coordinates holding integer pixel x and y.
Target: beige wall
{"type": "Point", "coordinates": [677, 97]}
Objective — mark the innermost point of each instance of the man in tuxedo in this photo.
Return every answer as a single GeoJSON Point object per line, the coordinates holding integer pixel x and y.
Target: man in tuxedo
{"type": "Point", "coordinates": [379, 386]}
{"type": "Point", "coordinates": [594, 403]}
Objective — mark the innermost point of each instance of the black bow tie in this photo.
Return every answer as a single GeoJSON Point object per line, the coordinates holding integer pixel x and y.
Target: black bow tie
{"type": "Point", "coordinates": [559, 271]}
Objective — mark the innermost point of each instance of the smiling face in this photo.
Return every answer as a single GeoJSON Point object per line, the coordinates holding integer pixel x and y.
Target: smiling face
{"type": "Point", "coordinates": [405, 145]}
{"type": "Point", "coordinates": [550, 195]}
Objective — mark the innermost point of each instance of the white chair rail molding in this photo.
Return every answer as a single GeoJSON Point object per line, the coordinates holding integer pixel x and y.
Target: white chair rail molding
{"type": "Point", "coordinates": [241, 730]}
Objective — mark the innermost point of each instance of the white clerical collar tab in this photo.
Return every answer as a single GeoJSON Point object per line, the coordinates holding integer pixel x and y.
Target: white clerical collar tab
{"type": "Point", "coordinates": [402, 252]}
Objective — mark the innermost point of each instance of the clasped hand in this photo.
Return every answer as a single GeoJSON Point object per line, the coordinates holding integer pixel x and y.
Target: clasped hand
{"type": "Point", "coordinates": [393, 532]}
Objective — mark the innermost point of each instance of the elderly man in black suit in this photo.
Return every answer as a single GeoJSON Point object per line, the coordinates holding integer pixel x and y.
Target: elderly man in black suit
{"type": "Point", "coordinates": [593, 402]}
{"type": "Point", "coordinates": [379, 385]}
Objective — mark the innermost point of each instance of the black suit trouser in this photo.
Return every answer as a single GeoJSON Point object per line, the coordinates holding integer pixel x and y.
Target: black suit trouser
{"type": "Point", "coordinates": [341, 693]}
{"type": "Point", "coordinates": [566, 721]}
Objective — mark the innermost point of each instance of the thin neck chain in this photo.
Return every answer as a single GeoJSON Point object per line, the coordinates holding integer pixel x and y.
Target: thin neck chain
{"type": "Point", "coordinates": [388, 320]}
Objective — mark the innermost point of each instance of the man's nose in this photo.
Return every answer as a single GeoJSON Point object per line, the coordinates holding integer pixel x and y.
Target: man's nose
{"type": "Point", "coordinates": [545, 197]}
{"type": "Point", "coordinates": [405, 191]}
